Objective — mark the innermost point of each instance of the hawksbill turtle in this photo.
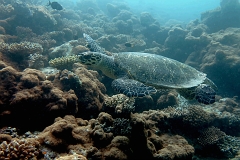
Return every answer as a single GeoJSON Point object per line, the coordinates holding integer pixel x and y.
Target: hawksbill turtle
{"type": "Point", "coordinates": [138, 74]}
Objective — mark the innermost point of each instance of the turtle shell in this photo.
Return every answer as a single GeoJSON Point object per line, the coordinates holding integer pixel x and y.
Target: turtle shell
{"type": "Point", "coordinates": [158, 71]}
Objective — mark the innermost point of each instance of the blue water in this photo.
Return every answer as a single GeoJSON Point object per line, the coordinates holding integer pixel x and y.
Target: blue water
{"type": "Point", "coordinates": [164, 10]}
{"type": "Point", "coordinates": [181, 10]}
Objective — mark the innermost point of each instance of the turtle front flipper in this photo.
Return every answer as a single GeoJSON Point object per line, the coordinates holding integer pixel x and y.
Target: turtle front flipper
{"type": "Point", "coordinates": [132, 88]}
{"type": "Point", "coordinates": [205, 94]}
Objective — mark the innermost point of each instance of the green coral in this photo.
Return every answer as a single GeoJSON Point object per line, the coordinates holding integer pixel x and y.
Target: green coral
{"type": "Point", "coordinates": [63, 62]}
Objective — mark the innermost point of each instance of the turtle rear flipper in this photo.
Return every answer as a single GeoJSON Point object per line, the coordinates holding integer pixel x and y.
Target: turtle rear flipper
{"type": "Point", "coordinates": [205, 94]}
{"type": "Point", "coordinates": [132, 88]}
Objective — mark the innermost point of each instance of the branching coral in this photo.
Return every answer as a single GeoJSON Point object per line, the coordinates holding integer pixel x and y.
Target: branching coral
{"type": "Point", "coordinates": [23, 48]}
{"type": "Point", "coordinates": [63, 62]}
{"type": "Point", "coordinates": [119, 105]}
{"type": "Point", "coordinates": [36, 61]}
{"type": "Point", "coordinates": [19, 149]}
{"type": "Point", "coordinates": [26, 34]}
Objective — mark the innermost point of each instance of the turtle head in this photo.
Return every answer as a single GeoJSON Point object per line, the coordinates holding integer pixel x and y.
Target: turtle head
{"type": "Point", "coordinates": [90, 58]}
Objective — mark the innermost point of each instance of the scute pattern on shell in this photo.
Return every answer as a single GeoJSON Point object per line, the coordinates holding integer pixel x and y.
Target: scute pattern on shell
{"type": "Point", "coordinates": [158, 71]}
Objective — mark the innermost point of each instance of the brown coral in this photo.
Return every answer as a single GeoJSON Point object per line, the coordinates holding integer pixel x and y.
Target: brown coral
{"type": "Point", "coordinates": [91, 94]}
{"type": "Point", "coordinates": [19, 149]}
{"type": "Point", "coordinates": [197, 117]}
{"type": "Point", "coordinates": [119, 105]}
{"type": "Point", "coordinates": [27, 95]}
{"type": "Point", "coordinates": [174, 147]}
{"type": "Point", "coordinates": [169, 99]}
{"type": "Point", "coordinates": [71, 157]}
{"type": "Point", "coordinates": [211, 136]}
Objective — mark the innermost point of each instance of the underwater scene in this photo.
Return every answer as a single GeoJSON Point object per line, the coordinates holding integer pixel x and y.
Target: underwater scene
{"type": "Point", "coordinates": [119, 80]}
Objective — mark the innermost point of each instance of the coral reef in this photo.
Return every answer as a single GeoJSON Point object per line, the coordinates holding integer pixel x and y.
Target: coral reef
{"type": "Point", "coordinates": [19, 149]}
{"type": "Point", "coordinates": [67, 49]}
{"type": "Point", "coordinates": [71, 157]}
{"type": "Point", "coordinates": [229, 10]}
{"type": "Point", "coordinates": [32, 97]}
{"type": "Point", "coordinates": [91, 94]}
{"type": "Point", "coordinates": [91, 120]}
{"type": "Point", "coordinates": [23, 48]}
{"type": "Point", "coordinates": [94, 141]}
{"type": "Point", "coordinates": [63, 62]}
{"type": "Point", "coordinates": [165, 100]}
{"type": "Point", "coordinates": [119, 105]}
{"type": "Point", "coordinates": [175, 147]}
{"type": "Point", "coordinates": [37, 61]}
{"type": "Point", "coordinates": [211, 136]}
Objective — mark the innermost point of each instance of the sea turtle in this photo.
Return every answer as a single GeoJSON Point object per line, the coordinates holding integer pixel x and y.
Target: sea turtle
{"type": "Point", "coordinates": [138, 74]}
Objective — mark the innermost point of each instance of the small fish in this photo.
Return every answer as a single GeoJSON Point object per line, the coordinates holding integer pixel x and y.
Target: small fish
{"type": "Point", "coordinates": [127, 44]}
{"type": "Point", "coordinates": [55, 5]}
